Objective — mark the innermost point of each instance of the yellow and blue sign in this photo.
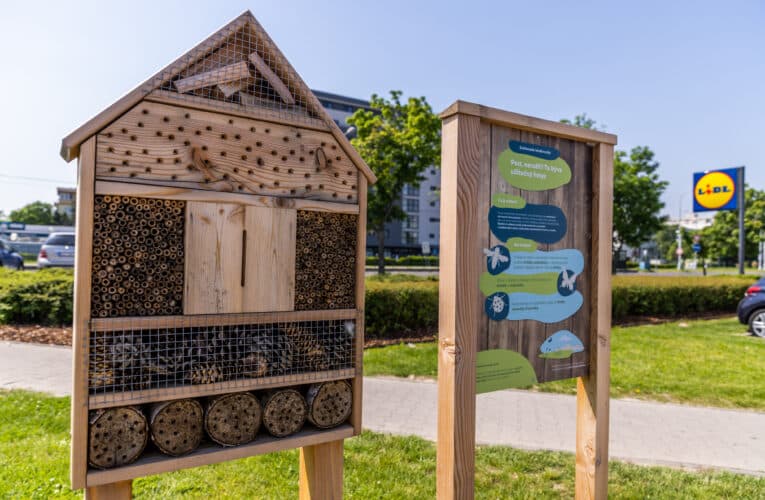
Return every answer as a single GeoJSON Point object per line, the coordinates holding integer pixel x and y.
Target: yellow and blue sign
{"type": "Point", "coordinates": [715, 190]}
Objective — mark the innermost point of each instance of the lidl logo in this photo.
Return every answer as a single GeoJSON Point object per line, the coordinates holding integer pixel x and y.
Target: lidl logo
{"type": "Point", "coordinates": [714, 190]}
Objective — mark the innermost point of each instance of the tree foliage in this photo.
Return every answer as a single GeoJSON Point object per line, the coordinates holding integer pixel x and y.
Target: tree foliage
{"type": "Point", "coordinates": [637, 191]}
{"type": "Point", "coordinates": [398, 140]}
{"type": "Point", "coordinates": [721, 238]}
{"type": "Point", "coordinates": [39, 212]}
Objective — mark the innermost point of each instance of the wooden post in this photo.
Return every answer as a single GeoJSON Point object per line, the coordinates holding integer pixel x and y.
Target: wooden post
{"type": "Point", "coordinates": [114, 491]}
{"type": "Point", "coordinates": [459, 306]}
{"type": "Point", "coordinates": [321, 471]}
{"type": "Point", "coordinates": [592, 399]}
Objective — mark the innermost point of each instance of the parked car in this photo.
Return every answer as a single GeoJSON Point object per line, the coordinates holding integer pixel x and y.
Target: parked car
{"type": "Point", "coordinates": [9, 257]}
{"type": "Point", "coordinates": [751, 309]}
{"type": "Point", "coordinates": [57, 251]}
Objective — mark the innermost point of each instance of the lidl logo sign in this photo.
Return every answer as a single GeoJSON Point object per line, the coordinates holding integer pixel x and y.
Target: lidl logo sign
{"type": "Point", "coordinates": [715, 190]}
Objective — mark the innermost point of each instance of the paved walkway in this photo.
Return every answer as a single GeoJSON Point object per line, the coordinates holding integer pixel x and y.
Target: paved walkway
{"type": "Point", "coordinates": [641, 432]}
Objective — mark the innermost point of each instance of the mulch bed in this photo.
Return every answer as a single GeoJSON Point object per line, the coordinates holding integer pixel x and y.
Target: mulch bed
{"type": "Point", "coordinates": [37, 334]}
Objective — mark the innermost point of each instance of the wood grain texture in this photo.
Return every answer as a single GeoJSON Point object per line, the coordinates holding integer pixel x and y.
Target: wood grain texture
{"type": "Point", "coordinates": [81, 313]}
{"type": "Point", "coordinates": [206, 454]}
{"type": "Point", "coordinates": [173, 193]}
{"type": "Point", "coordinates": [120, 490]}
{"type": "Point", "coordinates": [361, 254]}
{"type": "Point", "coordinates": [270, 263]}
{"type": "Point", "coordinates": [524, 122]}
{"type": "Point", "coordinates": [459, 316]}
{"type": "Point", "coordinates": [593, 390]}
{"type": "Point", "coordinates": [213, 263]}
{"type": "Point", "coordinates": [229, 73]}
{"type": "Point", "coordinates": [321, 471]}
{"type": "Point", "coordinates": [155, 143]}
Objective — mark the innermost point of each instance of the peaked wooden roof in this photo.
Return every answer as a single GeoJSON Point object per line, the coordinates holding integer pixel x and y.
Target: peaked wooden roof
{"type": "Point", "coordinates": [70, 145]}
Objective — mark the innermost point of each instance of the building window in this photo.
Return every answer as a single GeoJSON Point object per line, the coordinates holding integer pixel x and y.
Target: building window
{"type": "Point", "coordinates": [411, 205]}
{"type": "Point", "coordinates": [412, 223]}
{"type": "Point", "coordinates": [432, 171]}
{"type": "Point", "coordinates": [432, 236]}
{"type": "Point", "coordinates": [433, 188]}
{"type": "Point", "coordinates": [435, 219]}
{"type": "Point", "coordinates": [410, 238]}
{"type": "Point", "coordinates": [432, 203]}
{"type": "Point", "coordinates": [411, 190]}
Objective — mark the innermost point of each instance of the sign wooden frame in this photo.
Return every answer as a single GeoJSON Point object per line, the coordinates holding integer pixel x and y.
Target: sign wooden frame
{"type": "Point", "coordinates": [465, 201]}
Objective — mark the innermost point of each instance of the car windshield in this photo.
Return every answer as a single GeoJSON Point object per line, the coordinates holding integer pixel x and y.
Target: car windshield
{"type": "Point", "coordinates": [61, 240]}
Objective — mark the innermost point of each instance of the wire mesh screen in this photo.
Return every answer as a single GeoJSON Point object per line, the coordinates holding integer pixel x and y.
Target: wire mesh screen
{"type": "Point", "coordinates": [138, 257]}
{"type": "Point", "coordinates": [243, 69]}
{"type": "Point", "coordinates": [135, 359]}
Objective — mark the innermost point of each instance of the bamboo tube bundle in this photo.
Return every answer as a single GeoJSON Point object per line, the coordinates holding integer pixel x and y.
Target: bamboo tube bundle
{"type": "Point", "coordinates": [176, 426]}
{"type": "Point", "coordinates": [233, 419]}
{"type": "Point", "coordinates": [137, 256]}
{"type": "Point", "coordinates": [117, 436]}
{"type": "Point", "coordinates": [284, 412]}
{"type": "Point", "coordinates": [309, 354]}
{"type": "Point", "coordinates": [325, 261]}
{"type": "Point", "coordinates": [329, 403]}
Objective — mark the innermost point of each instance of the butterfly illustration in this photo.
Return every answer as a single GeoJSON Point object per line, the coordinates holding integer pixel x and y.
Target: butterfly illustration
{"type": "Point", "coordinates": [568, 281]}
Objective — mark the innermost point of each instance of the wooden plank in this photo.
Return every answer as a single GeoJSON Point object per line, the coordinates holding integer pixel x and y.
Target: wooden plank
{"type": "Point", "coordinates": [232, 88]}
{"type": "Point", "coordinates": [156, 143]}
{"type": "Point", "coordinates": [458, 296]}
{"type": "Point", "coordinates": [321, 471]}
{"type": "Point", "coordinates": [213, 263]}
{"type": "Point", "coordinates": [81, 316]}
{"type": "Point", "coordinates": [160, 96]}
{"type": "Point", "coordinates": [272, 78]}
{"type": "Point", "coordinates": [361, 260]}
{"type": "Point", "coordinates": [122, 188]}
{"type": "Point", "coordinates": [593, 390]}
{"type": "Point", "coordinates": [269, 274]}
{"type": "Point", "coordinates": [202, 390]}
{"type": "Point", "coordinates": [225, 74]}
{"type": "Point", "coordinates": [530, 123]}
{"type": "Point", "coordinates": [154, 463]}
{"type": "Point", "coordinates": [121, 490]}
{"type": "Point", "coordinates": [148, 322]}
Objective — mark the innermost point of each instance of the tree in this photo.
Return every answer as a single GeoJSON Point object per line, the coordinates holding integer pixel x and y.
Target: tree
{"type": "Point", "coordinates": [721, 238]}
{"type": "Point", "coordinates": [37, 212]}
{"type": "Point", "coordinates": [398, 141]}
{"type": "Point", "coordinates": [637, 192]}
{"type": "Point", "coordinates": [637, 197]}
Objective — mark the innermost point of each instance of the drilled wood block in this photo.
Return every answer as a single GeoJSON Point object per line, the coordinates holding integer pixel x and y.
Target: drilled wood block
{"type": "Point", "coordinates": [329, 403]}
{"type": "Point", "coordinates": [117, 436]}
{"type": "Point", "coordinates": [169, 145]}
{"type": "Point", "coordinates": [284, 412]}
{"type": "Point", "coordinates": [138, 257]}
{"type": "Point", "coordinates": [233, 419]}
{"type": "Point", "coordinates": [325, 261]}
{"type": "Point", "coordinates": [176, 426]}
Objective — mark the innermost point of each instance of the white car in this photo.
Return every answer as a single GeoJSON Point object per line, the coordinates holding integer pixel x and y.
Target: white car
{"type": "Point", "coordinates": [57, 251]}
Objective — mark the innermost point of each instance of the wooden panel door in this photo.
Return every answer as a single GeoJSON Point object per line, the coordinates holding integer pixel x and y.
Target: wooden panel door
{"type": "Point", "coordinates": [214, 242]}
{"type": "Point", "coordinates": [269, 279]}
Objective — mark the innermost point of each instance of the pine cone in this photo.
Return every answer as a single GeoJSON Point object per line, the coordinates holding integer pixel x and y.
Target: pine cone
{"type": "Point", "coordinates": [205, 373]}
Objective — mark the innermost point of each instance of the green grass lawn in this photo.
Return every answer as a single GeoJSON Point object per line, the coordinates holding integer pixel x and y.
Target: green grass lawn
{"type": "Point", "coordinates": [713, 362]}
{"type": "Point", "coordinates": [34, 447]}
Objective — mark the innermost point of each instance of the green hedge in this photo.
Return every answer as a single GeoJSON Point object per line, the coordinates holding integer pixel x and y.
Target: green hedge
{"type": "Point", "coordinates": [409, 260]}
{"type": "Point", "coordinates": [43, 297]}
{"type": "Point", "coordinates": [398, 304]}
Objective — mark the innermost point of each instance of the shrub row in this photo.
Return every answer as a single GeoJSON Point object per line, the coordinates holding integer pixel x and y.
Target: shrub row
{"type": "Point", "coordinates": [408, 260]}
{"type": "Point", "coordinates": [43, 297]}
{"type": "Point", "coordinates": [400, 305]}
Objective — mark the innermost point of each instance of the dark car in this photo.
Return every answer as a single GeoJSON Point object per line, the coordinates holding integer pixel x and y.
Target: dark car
{"type": "Point", "coordinates": [9, 257]}
{"type": "Point", "coordinates": [751, 309]}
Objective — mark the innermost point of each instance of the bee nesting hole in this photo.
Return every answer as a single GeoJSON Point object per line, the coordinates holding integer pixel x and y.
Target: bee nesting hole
{"type": "Point", "coordinates": [329, 404]}
{"type": "Point", "coordinates": [233, 419]}
{"type": "Point", "coordinates": [284, 412]}
{"type": "Point", "coordinates": [176, 426]}
{"type": "Point", "coordinates": [117, 436]}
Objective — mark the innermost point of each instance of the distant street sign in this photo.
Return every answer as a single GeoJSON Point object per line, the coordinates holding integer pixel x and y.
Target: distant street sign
{"type": "Point", "coordinates": [679, 251]}
{"type": "Point", "coordinates": [697, 247]}
{"type": "Point", "coordinates": [696, 238]}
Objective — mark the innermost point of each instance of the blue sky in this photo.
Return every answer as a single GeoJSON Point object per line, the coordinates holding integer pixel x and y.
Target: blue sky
{"type": "Point", "coordinates": [685, 78]}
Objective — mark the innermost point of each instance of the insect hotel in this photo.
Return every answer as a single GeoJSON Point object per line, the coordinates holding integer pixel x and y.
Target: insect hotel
{"type": "Point", "coordinates": [219, 271]}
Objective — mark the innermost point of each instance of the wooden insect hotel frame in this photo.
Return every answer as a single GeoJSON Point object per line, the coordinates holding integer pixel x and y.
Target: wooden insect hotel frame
{"type": "Point", "coordinates": [219, 278]}
{"type": "Point", "coordinates": [525, 278]}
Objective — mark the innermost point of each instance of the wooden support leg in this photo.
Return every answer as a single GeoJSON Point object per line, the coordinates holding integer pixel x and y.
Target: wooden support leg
{"type": "Point", "coordinates": [591, 439]}
{"type": "Point", "coordinates": [122, 490]}
{"type": "Point", "coordinates": [321, 471]}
